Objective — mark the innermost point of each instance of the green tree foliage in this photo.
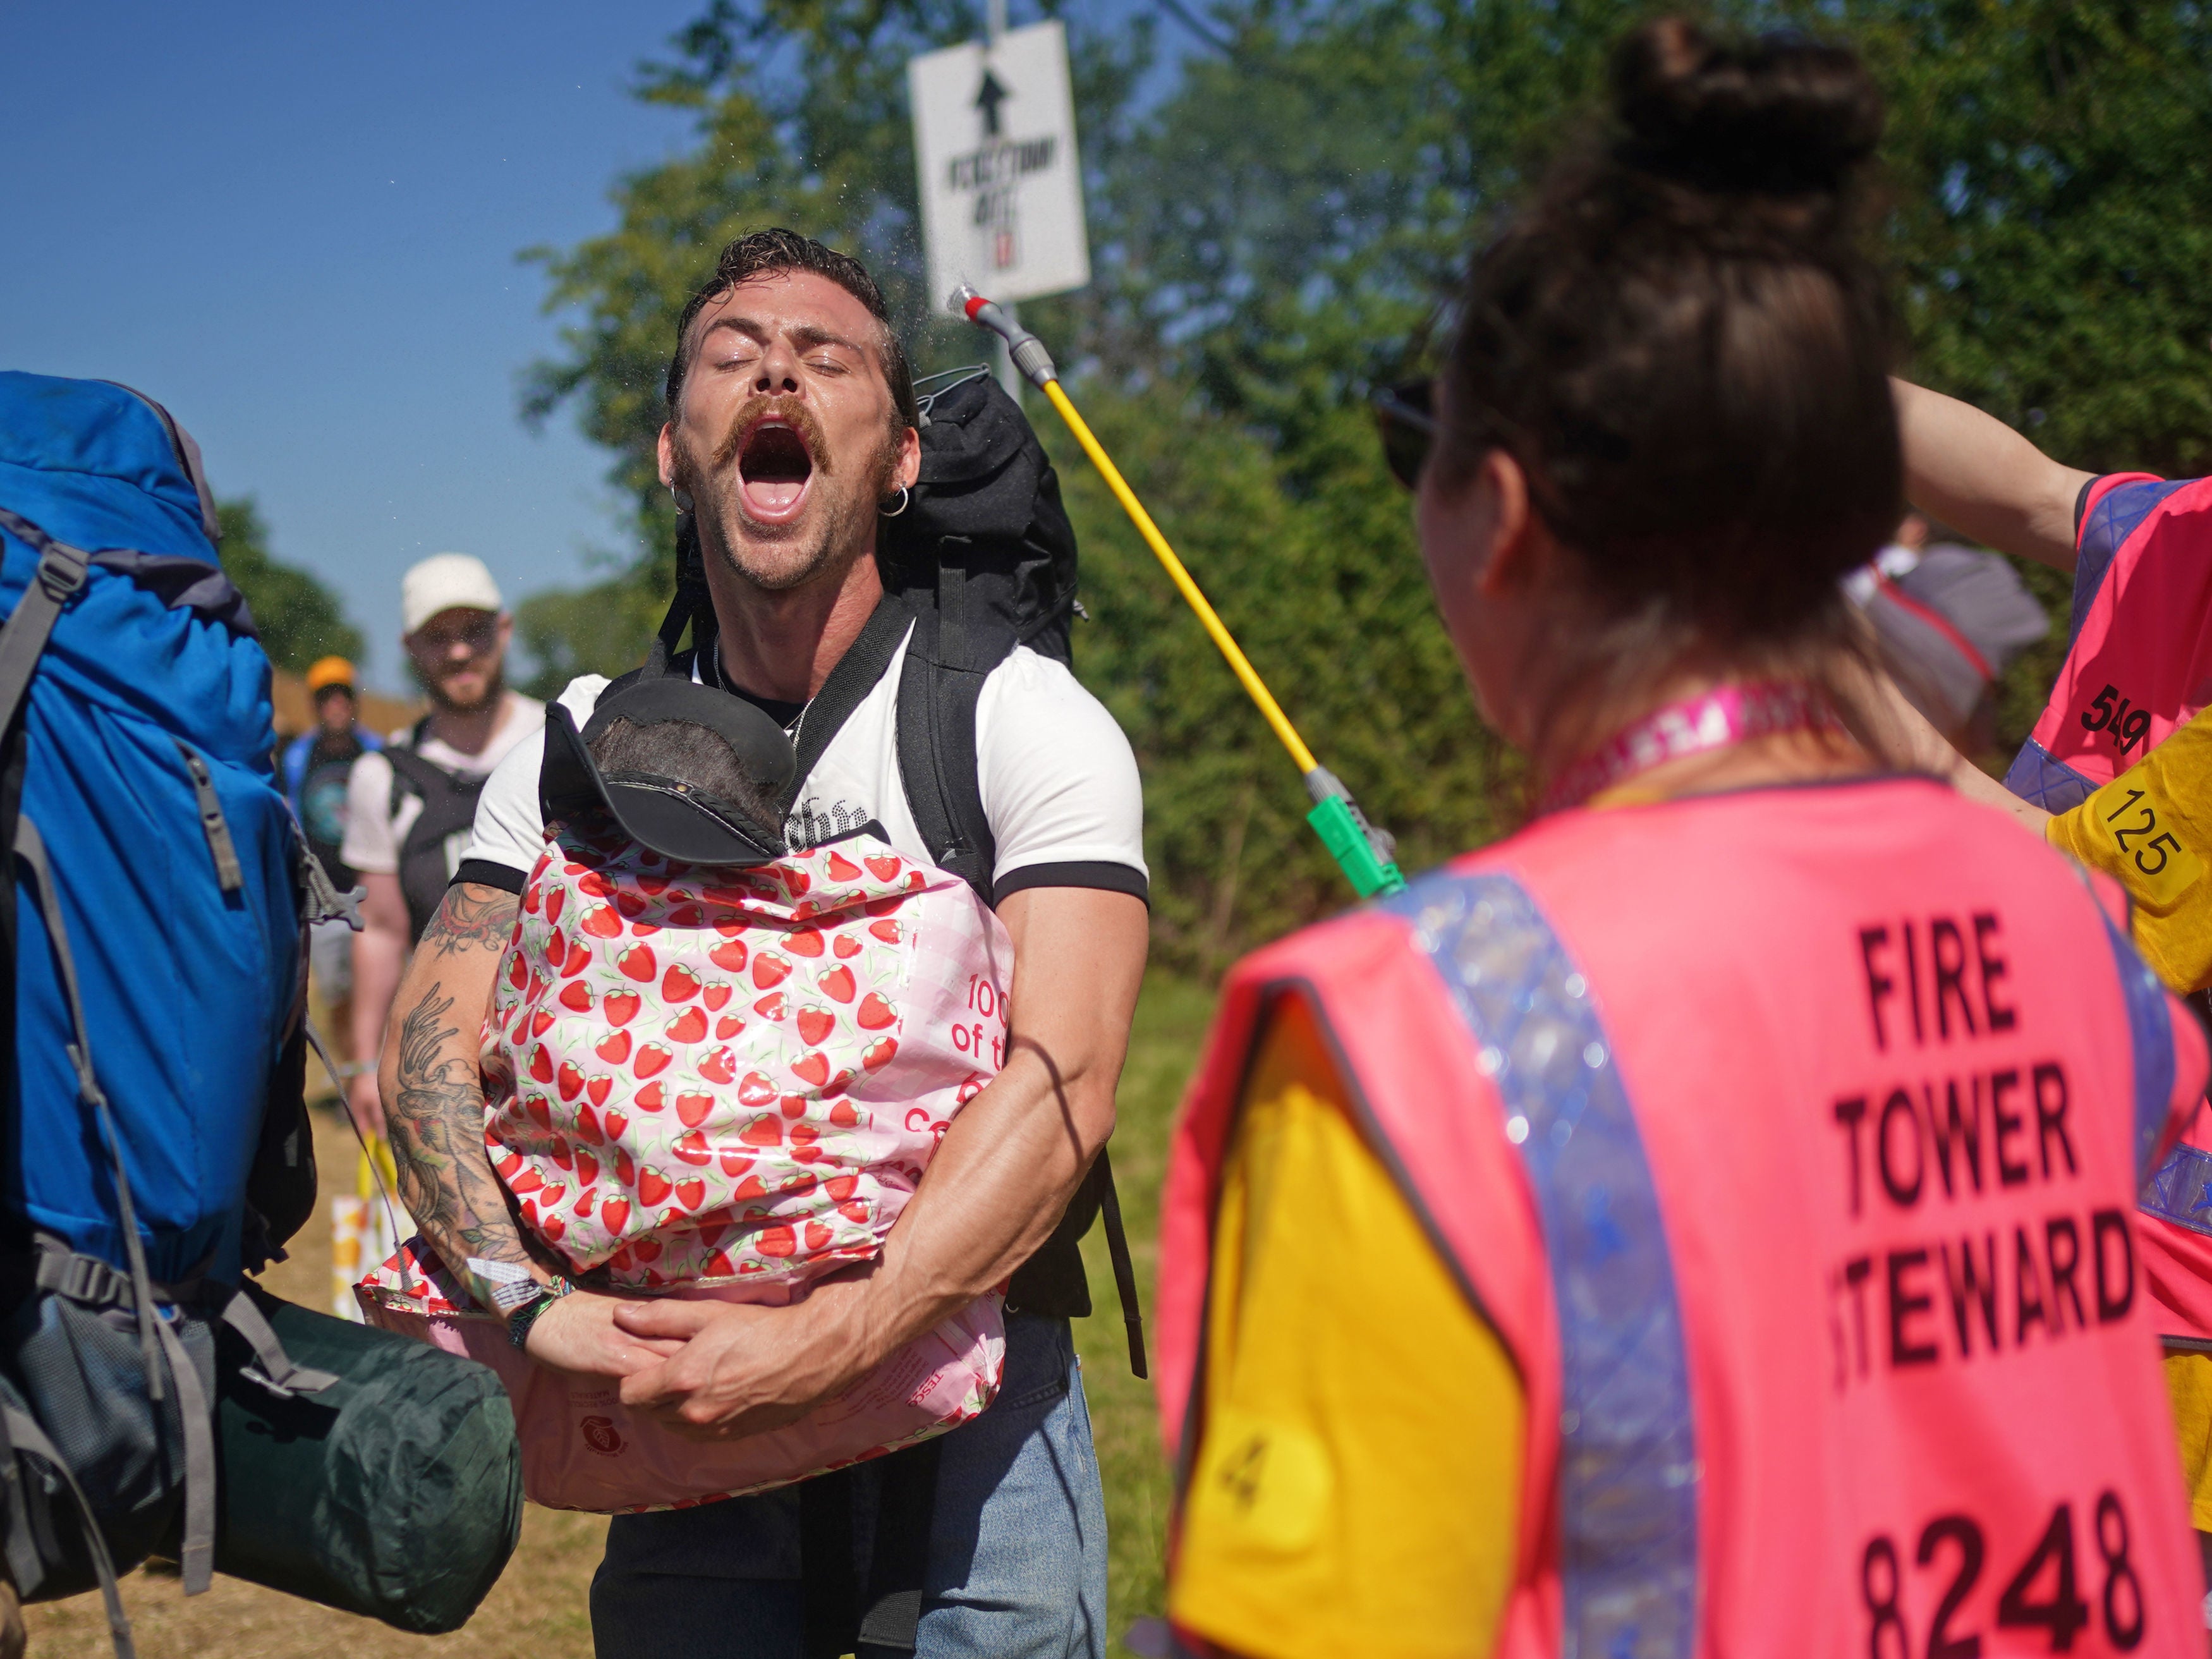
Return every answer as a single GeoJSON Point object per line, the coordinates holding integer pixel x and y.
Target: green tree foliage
{"type": "Point", "coordinates": [299, 619]}
{"type": "Point", "coordinates": [1277, 227]}
{"type": "Point", "coordinates": [601, 629]}
{"type": "Point", "coordinates": [2051, 168]}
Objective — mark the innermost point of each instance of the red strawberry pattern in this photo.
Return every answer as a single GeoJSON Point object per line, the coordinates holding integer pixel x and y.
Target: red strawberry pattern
{"type": "Point", "coordinates": [750, 1097]}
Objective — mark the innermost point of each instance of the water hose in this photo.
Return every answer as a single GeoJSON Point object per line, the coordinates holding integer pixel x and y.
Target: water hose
{"type": "Point", "coordinates": [1366, 854]}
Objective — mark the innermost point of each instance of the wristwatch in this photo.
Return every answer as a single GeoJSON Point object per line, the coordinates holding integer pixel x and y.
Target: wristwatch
{"type": "Point", "coordinates": [520, 1322]}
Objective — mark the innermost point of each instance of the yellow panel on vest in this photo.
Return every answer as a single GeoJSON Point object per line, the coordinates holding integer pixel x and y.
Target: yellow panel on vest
{"type": "Point", "coordinates": [2151, 830]}
{"type": "Point", "coordinates": [1358, 1487]}
{"type": "Point", "coordinates": [2138, 831]}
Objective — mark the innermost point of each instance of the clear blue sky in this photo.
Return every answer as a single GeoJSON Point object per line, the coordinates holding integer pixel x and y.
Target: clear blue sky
{"type": "Point", "coordinates": [296, 226]}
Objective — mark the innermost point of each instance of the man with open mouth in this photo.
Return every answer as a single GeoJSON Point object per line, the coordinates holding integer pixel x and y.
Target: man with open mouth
{"type": "Point", "coordinates": [791, 435]}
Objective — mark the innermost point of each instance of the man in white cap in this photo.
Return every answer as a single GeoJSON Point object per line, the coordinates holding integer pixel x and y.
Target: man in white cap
{"type": "Point", "coordinates": [410, 808]}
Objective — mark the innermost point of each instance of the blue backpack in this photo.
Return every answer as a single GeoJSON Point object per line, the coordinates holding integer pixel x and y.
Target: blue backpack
{"type": "Point", "coordinates": [153, 1141]}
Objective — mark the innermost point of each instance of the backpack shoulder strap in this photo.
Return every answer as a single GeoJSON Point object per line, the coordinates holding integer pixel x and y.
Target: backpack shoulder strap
{"type": "Point", "coordinates": [937, 763]}
{"type": "Point", "coordinates": [428, 780]}
{"type": "Point", "coordinates": [412, 770]}
{"type": "Point", "coordinates": [296, 755]}
{"type": "Point", "coordinates": [857, 673]}
{"type": "Point", "coordinates": [62, 570]}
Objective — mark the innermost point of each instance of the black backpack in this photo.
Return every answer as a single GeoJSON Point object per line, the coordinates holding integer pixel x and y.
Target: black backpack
{"type": "Point", "coordinates": [449, 808]}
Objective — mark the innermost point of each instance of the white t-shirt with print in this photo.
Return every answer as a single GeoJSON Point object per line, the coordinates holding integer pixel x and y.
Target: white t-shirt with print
{"type": "Point", "coordinates": [1057, 778]}
{"type": "Point", "coordinates": [374, 833]}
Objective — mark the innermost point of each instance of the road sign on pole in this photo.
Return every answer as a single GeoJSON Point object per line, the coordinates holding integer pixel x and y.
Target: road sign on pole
{"type": "Point", "coordinates": [1001, 182]}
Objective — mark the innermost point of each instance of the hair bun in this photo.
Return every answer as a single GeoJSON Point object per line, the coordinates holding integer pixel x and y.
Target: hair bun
{"type": "Point", "coordinates": [1777, 112]}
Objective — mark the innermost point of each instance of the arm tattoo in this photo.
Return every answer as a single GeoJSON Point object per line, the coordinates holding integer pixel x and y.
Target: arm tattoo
{"type": "Point", "coordinates": [436, 1117]}
{"type": "Point", "coordinates": [470, 917]}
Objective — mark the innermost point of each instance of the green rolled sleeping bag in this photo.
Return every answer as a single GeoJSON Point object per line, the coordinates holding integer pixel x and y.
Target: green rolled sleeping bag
{"type": "Point", "coordinates": [397, 1492]}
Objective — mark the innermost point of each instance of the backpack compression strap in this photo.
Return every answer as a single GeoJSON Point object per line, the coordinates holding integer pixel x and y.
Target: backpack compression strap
{"type": "Point", "coordinates": [21, 1432]}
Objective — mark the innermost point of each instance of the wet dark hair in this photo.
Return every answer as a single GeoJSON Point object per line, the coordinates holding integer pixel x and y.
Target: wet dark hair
{"type": "Point", "coordinates": [765, 253]}
{"type": "Point", "coordinates": [1684, 345]}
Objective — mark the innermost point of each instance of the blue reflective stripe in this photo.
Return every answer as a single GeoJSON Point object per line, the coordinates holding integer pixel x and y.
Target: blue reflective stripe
{"type": "Point", "coordinates": [2041, 780]}
{"type": "Point", "coordinates": [2181, 1190]}
{"type": "Point", "coordinates": [2150, 1031]}
{"type": "Point", "coordinates": [1629, 1468]}
{"type": "Point", "coordinates": [2119, 514]}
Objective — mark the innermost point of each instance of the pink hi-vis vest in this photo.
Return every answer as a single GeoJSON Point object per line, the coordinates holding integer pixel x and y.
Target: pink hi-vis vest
{"type": "Point", "coordinates": [1789, 1140]}
{"type": "Point", "coordinates": [2139, 646]}
{"type": "Point", "coordinates": [2139, 666]}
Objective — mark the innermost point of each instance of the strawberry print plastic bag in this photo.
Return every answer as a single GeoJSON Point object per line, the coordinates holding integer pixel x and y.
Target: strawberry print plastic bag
{"type": "Point", "coordinates": [728, 1082]}
{"type": "Point", "coordinates": [703, 1076]}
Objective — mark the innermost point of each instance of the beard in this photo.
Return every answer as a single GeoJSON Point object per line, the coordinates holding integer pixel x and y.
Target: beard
{"type": "Point", "coordinates": [440, 698]}
{"type": "Point", "coordinates": [836, 528]}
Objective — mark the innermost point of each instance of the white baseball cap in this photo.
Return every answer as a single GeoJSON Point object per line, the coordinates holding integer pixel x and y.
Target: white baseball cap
{"type": "Point", "coordinates": [445, 581]}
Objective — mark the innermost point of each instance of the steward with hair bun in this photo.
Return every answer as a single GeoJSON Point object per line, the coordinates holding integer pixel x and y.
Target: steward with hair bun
{"type": "Point", "coordinates": [1699, 1223]}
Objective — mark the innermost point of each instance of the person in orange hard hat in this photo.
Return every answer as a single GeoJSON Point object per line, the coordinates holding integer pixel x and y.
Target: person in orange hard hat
{"type": "Point", "coordinates": [319, 763]}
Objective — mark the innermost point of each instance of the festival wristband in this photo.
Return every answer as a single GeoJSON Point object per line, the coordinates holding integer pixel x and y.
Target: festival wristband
{"type": "Point", "coordinates": [501, 1286]}
{"type": "Point", "coordinates": [518, 1327]}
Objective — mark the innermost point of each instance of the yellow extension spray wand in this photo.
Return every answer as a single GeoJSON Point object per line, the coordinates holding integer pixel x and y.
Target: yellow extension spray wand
{"type": "Point", "coordinates": [1364, 853]}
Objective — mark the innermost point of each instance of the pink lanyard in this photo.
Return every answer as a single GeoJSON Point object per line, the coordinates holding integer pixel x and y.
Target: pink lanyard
{"type": "Point", "coordinates": [1719, 719]}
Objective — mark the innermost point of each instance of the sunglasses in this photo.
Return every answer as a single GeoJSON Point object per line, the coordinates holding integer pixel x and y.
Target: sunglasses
{"type": "Point", "coordinates": [478, 636]}
{"type": "Point", "coordinates": [1404, 415]}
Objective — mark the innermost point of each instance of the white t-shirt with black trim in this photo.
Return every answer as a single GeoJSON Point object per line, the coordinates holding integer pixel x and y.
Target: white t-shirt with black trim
{"type": "Point", "coordinates": [1057, 778]}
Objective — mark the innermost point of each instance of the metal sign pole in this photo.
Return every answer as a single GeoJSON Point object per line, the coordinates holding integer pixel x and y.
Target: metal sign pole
{"type": "Point", "coordinates": [1002, 359]}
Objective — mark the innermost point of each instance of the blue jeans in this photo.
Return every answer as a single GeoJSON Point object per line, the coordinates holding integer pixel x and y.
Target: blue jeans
{"type": "Point", "coordinates": [1016, 1544]}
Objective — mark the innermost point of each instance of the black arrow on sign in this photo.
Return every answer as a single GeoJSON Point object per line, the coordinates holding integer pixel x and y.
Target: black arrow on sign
{"type": "Point", "coordinates": [987, 99]}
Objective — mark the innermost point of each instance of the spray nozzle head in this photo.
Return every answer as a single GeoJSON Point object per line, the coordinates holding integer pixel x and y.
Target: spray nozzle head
{"type": "Point", "coordinates": [1028, 351]}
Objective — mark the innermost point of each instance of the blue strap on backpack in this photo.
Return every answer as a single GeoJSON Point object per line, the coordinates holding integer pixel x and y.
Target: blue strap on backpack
{"type": "Point", "coordinates": [151, 903]}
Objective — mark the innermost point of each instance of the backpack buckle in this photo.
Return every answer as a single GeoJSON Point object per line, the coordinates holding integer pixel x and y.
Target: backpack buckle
{"type": "Point", "coordinates": [79, 1278]}
{"type": "Point", "coordinates": [63, 570]}
{"type": "Point", "coordinates": [88, 1279]}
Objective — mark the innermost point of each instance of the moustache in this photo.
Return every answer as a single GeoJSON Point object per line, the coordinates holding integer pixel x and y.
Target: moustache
{"type": "Point", "coordinates": [794, 412]}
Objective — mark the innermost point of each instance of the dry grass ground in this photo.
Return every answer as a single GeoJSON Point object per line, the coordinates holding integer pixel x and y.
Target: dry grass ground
{"type": "Point", "coordinates": [537, 1610]}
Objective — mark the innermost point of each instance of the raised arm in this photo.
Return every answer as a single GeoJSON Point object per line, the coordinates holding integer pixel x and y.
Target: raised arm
{"type": "Point", "coordinates": [1976, 474]}
{"type": "Point", "coordinates": [992, 1194]}
{"type": "Point", "coordinates": [1892, 729]}
{"type": "Point", "coordinates": [433, 1108]}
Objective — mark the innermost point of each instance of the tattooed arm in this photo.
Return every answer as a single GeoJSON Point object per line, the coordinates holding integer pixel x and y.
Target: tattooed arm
{"type": "Point", "coordinates": [433, 1095]}
{"type": "Point", "coordinates": [433, 1107]}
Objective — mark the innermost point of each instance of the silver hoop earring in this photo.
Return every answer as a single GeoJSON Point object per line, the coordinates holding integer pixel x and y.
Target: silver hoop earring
{"type": "Point", "coordinates": [906, 498]}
